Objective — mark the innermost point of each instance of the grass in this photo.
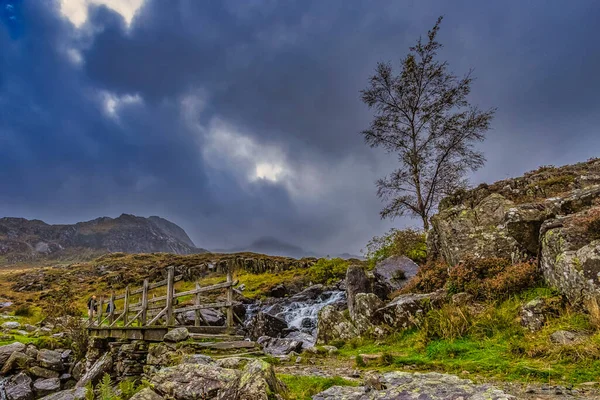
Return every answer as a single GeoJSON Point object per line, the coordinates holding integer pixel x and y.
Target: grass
{"type": "Point", "coordinates": [304, 387]}
{"type": "Point", "coordinates": [495, 346]}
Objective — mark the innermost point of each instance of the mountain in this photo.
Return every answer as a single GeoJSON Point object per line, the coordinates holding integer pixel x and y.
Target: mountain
{"type": "Point", "coordinates": [25, 240]}
{"type": "Point", "coordinates": [275, 247]}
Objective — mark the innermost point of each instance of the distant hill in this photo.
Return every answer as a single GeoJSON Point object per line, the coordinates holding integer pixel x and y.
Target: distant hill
{"type": "Point", "coordinates": [275, 247]}
{"type": "Point", "coordinates": [27, 240]}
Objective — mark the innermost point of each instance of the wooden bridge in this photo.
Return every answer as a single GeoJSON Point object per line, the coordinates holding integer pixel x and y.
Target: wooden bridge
{"type": "Point", "coordinates": [145, 314]}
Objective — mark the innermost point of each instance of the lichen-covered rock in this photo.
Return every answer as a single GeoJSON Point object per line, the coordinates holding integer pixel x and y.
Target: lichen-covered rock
{"type": "Point", "coordinates": [280, 347]}
{"type": "Point", "coordinates": [193, 381]}
{"type": "Point", "coordinates": [146, 394]}
{"type": "Point", "coordinates": [177, 335]}
{"type": "Point", "coordinates": [416, 386]}
{"type": "Point", "coordinates": [333, 325]}
{"type": "Point", "coordinates": [44, 387]}
{"type": "Point", "coordinates": [97, 370]}
{"type": "Point", "coordinates": [71, 394]}
{"type": "Point", "coordinates": [160, 354]}
{"type": "Point", "coordinates": [7, 350]}
{"type": "Point", "coordinates": [365, 312]}
{"type": "Point", "coordinates": [392, 274]}
{"type": "Point", "coordinates": [43, 372]}
{"type": "Point", "coordinates": [17, 361]}
{"type": "Point", "coordinates": [50, 359]}
{"type": "Point", "coordinates": [9, 325]}
{"type": "Point", "coordinates": [263, 324]}
{"type": "Point", "coordinates": [407, 309]}
{"type": "Point", "coordinates": [565, 337]}
{"type": "Point", "coordinates": [356, 282]}
{"type": "Point", "coordinates": [257, 381]}
{"type": "Point", "coordinates": [533, 314]}
{"type": "Point", "coordinates": [18, 387]}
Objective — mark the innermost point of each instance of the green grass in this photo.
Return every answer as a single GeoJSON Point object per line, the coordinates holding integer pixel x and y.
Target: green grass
{"type": "Point", "coordinates": [495, 346]}
{"type": "Point", "coordinates": [304, 387]}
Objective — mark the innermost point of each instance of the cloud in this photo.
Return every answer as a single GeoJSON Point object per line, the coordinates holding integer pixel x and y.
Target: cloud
{"type": "Point", "coordinates": [241, 119]}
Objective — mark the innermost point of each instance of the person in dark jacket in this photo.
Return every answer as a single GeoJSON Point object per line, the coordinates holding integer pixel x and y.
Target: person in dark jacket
{"type": "Point", "coordinates": [92, 306]}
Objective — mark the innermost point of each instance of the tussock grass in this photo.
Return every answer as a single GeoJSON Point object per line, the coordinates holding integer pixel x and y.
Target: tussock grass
{"type": "Point", "coordinates": [304, 387]}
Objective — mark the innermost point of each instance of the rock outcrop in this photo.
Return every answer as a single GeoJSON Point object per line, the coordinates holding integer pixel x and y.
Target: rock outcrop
{"type": "Point", "coordinates": [392, 274]}
{"type": "Point", "coordinates": [356, 282]}
{"type": "Point", "coordinates": [552, 213]}
{"type": "Point", "coordinates": [407, 386]}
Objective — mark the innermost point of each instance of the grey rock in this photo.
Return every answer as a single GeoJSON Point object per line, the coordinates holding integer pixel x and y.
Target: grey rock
{"type": "Point", "coordinates": [407, 309]}
{"type": "Point", "coordinates": [257, 381]}
{"type": "Point", "coordinates": [29, 328]}
{"type": "Point", "coordinates": [95, 373]}
{"type": "Point", "coordinates": [197, 359]}
{"type": "Point", "coordinates": [177, 335]}
{"type": "Point", "coordinates": [50, 359]}
{"type": "Point", "coordinates": [16, 361]}
{"type": "Point", "coordinates": [356, 282]}
{"type": "Point", "coordinates": [333, 325]}
{"type": "Point", "coordinates": [565, 337]}
{"type": "Point", "coordinates": [365, 312]}
{"type": "Point", "coordinates": [533, 316]}
{"type": "Point", "coordinates": [192, 381]}
{"type": "Point", "coordinates": [211, 316]}
{"type": "Point", "coordinates": [18, 387]}
{"type": "Point", "coordinates": [279, 347]}
{"type": "Point", "coordinates": [392, 274]}
{"type": "Point", "coordinates": [10, 325]}
{"type": "Point", "coordinates": [71, 394]}
{"type": "Point", "coordinates": [146, 394]}
{"type": "Point", "coordinates": [263, 324]}
{"type": "Point", "coordinates": [409, 386]}
{"type": "Point", "coordinates": [43, 372]}
{"type": "Point", "coordinates": [7, 350]}
{"type": "Point", "coordinates": [160, 354]}
{"type": "Point", "coordinates": [78, 370]}
{"type": "Point", "coordinates": [462, 299]}
{"type": "Point", "coordinates": [233, 362]}
{"type": "Point", "coordinates": [46, 386]}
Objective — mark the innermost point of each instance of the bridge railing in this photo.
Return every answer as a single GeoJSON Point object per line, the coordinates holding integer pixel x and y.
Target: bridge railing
{"type": "Point", "coordinates": [137, 308]}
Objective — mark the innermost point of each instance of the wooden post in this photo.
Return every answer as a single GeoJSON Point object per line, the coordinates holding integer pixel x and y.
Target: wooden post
{"type": "Point", "coordinates": [100, 305]}
{"type": "Point", "coordinates": [197, 302]}
{"type": "Point", "coordinates": [126, 306]}
{"type": "Point", "coordinates": [170, 290]}
{"type": "Point", "coordinates": [144, 315]}
{"type": "Point", "coordinates": [229, 299]}
{"type": "Point", "coordinates": [111, 303]}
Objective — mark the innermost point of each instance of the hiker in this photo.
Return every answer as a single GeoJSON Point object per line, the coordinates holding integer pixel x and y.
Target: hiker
{"type": "Point", "coordinates": [92, 306]}
{"type": "Point", "coordinates": [110, 307]}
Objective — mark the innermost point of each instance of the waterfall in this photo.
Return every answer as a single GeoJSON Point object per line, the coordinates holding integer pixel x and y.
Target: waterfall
{"type": "Point", "coordinates": [3, 381]}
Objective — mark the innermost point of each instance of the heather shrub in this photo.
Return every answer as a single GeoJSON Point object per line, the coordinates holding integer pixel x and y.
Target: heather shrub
{"type": "Point", "coordinates": [430, 277]}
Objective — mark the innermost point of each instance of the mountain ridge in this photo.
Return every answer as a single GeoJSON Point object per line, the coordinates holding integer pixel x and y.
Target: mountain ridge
{"type": "Point", "coordinates": [22, 239]}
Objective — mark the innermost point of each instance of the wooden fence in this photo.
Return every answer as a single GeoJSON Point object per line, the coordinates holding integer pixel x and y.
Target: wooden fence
{"type": "Point", "coordinates": [160, 310]}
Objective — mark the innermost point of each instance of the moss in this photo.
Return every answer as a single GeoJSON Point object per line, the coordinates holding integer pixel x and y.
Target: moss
{"type": "Point", "coordinates": [304, 387]}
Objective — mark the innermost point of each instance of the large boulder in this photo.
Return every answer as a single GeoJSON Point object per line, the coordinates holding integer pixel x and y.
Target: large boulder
{"type": "Point", "coordinates": [392, 274]}
{"type": "Point", "coordinates": [146, 394]}
{"type": "Point", "coordinates": [334, 325]}
{"type": "Point", "coordinates": [263, 324]}
{"type": "Point", "coordinates": [257, 381]}
{"type": "Point", "coordinates": [407, 386]}
{"type": "Point", "coordinates": [211, 316]}
{"type": "Point", "coordinates": [365, 312]}
{"type": "Point", "coordinates": [407, 309]}
{"type": "Point", "coordinates": [193, 381]}
{"type": "Point", "coordinates": [7, 350]}
{"type": "Point", "coordinates": [356, 282]}
{"type": "Point", "coordinates": [18, 387]}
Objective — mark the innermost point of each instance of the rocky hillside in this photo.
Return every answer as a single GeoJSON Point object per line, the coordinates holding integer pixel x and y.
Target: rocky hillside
{"type": "Point", "coordinates": [28, 240]}
{"type": "Point", "coordinates": [552, 214]}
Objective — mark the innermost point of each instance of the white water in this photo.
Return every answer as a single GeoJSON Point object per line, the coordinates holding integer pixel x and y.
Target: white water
{"type": "Point", "coordinates": [303, 315]}
{"type": "Point", "coordinates": [3, 381]}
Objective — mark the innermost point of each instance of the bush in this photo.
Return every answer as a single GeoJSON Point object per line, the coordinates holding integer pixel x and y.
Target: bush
{"type": "Point", "coordinates": [430, 277]}
{"type": "Point", "coordinates": [449, 322]}
{"type": "Point", "coordinates": [406, 242]}
{"type": "Point", "coordinates": [24, 311]}
{"type": "Point", "coordinates": [491, 278]}
{"type": "Point", "coordinates": [328, 271]}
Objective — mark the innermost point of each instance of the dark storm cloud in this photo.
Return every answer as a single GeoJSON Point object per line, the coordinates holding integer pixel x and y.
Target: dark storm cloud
{"type": "Point", "coordinates": [285, 76]}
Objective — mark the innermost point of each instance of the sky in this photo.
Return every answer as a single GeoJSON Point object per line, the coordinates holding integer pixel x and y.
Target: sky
{"type": "Point", "coordinates": [242, 119]}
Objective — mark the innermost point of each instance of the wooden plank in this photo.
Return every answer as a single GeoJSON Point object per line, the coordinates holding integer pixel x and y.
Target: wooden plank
{"type": "Point", "coordinates": [203, 306]}
{"type": "Point", "coordinates": [239, 344]}
{"type": "Point", "coordinates": [144, 310]}
{"type": "Point", "coordinates": [199, 316]}
{"type": "Point", "coordinates": [203, 289]}
{"type": "Point", "coordinates": [170, 292]}
{"type": "Point", "coordinates": [126, 306]}
{"type": "Point", "coordinates": [207, 329]}
{"type": "Point", "coordinates": [150, 287]}
{"type": "Point", "coordinates": [158, 316]}
{"type": "Point", "coordinates": [229, 299]}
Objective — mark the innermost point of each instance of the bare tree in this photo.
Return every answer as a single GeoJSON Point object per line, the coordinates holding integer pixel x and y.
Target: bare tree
{"type": "Point", "coordinates": [422, 114]}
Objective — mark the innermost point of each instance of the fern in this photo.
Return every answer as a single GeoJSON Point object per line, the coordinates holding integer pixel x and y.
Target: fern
{"type": "Point", "coordinates": [89, 391]}
{"type": "Point", "coordinates": [105, 388]}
